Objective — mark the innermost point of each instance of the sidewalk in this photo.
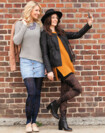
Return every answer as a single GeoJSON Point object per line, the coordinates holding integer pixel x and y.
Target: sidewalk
{"type": "Point", "coordinates": [53, 129]}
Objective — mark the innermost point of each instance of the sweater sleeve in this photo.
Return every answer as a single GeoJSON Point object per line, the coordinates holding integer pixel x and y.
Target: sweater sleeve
{"type": "Point", "coordinates": [20, 29]}
{"type": "Point", "coordinates": [79, 34]}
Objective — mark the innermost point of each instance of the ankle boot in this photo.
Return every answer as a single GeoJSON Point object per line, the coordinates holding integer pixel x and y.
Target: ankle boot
{"type": "Point", "coordinates": [63, 124]}
{"type": "Point", "coordinates": [54, 108]}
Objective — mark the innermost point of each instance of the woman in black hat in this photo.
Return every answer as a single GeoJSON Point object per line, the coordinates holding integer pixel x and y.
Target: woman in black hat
{"type": "Point", "coordinates": [58, 60]}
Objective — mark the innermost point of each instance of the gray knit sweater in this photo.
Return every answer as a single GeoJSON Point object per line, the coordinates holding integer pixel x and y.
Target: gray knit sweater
{"type": "Point", "coordinates": [29, 40]}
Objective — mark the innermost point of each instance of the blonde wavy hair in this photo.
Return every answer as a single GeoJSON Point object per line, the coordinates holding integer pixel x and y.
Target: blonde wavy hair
{"type": "Point", "coordinates": [27, 12]}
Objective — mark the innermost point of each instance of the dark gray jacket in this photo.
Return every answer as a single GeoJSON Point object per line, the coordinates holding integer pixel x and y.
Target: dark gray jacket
{"type": "Point", "coordinates": [50, 46]}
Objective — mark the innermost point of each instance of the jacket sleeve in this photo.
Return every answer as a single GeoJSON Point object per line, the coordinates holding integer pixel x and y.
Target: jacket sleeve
{"type": "Point", "coordinates": [79, 34]}
{"type": "Point", "coordinates": [12, 51]}
{"type": "Point", "coordinates": [20, 29]}
{"type": "Point", "coordinates": [44, 48]}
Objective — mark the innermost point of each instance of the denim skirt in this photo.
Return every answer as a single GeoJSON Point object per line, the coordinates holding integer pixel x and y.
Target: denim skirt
{"type": "Point", "coordinates": [31, 68]}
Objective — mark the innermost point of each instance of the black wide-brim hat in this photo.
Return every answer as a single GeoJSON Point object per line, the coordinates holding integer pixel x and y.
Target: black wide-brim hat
{"type": "Point", "coordinates": [50, 12]}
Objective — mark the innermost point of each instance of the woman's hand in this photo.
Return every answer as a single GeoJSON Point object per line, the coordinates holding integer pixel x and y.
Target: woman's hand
{"type": "Point", "coordinates": [90, 20]}
{"type": "Point", "coordinates": [24, 22]}
{"type": "Point", "coordinates": [50, 76]}
{"type": "Point", "coordinates": [45, 73]}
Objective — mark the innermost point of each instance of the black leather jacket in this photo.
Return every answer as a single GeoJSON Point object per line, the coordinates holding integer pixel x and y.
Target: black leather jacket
{"type": "Point", "coordinates": [50, 46]}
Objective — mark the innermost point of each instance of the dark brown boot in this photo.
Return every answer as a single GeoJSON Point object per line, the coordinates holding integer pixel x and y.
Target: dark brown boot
{"type": "Point", "coordinates": [54, 108]}
{"type": "Point", "coordinates": [63, 124]}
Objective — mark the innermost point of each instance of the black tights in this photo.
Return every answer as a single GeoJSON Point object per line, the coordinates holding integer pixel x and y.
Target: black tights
{"type": "Point", "coordinates": [33, 86]}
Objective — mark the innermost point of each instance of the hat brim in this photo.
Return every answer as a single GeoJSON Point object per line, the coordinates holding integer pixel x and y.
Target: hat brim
{"type": "Point", "coordinates": [59, 14]}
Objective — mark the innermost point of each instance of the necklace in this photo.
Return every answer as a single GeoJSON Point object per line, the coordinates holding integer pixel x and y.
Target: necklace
{"type": "Point", "coordinates": [32, 26]}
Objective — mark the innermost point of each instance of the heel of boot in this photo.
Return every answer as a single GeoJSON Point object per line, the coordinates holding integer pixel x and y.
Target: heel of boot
{"type": "Point", "coordinates": [49, 107]}
{"type": "Point", "coordinates": [60, 126]}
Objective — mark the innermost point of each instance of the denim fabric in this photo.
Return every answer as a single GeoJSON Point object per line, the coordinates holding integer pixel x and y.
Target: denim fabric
{"type": "Point", "coordinates": [33, 86]}
{"type": "Point", "coordinates": [31, 68]}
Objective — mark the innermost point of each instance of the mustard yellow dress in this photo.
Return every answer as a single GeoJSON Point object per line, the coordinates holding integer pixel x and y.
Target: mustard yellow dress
{"type": "Point", "coordinates": [67, 65]}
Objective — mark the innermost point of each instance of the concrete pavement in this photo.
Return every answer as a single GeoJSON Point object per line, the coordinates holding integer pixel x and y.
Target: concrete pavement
{"type": "Point", "coordinates": [53, 129]}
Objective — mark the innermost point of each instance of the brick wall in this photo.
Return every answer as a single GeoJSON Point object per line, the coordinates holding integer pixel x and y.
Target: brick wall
{"type": "Point", "coordinates": [89, 65]}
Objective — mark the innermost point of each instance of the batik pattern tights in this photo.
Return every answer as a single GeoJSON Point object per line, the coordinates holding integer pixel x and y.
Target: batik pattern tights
{"type": "Point", "coordinates": [33, 86]}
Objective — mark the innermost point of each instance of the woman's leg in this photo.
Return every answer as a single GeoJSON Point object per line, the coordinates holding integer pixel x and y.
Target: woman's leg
{"type": "Point", "coordinates": [38, 82]}
{"type": "Point", "coordinates": [31, 90]}
{"type": "Point", "coordinates": [70, 88]}
{"type": "Point", "coordinates": [73, 83]}
{"type": "Point", "coordinates": [63, 106]}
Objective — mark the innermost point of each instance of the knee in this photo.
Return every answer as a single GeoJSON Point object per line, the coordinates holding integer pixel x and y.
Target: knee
{"type": "Point", "coordinates": [78, 88]}
{"type": "Point", "coordinates": [38, 92]}
{"type": "Point", "coordinates": [31, 96]}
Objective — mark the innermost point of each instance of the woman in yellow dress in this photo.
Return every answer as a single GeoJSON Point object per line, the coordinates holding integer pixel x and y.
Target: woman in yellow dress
{"type": "Point", "coordinates": [58, 60]}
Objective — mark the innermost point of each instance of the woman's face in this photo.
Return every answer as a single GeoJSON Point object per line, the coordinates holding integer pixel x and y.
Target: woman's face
{"type": "Point", "coordinates": [54, 20]}
{"type": "Point", "coordinates": [35, 12]}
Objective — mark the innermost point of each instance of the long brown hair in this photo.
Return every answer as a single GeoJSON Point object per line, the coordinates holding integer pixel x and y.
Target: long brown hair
{"type": "Point", "coordinates": [47, 24]}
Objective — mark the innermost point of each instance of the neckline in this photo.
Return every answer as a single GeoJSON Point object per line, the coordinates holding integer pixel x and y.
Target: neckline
{"type": "Point", "coordinates": [54, 32]}
{"type": "Point", "coordinates": [32, 23]}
